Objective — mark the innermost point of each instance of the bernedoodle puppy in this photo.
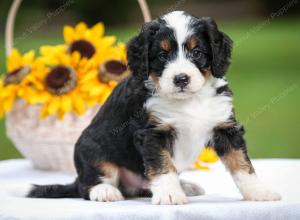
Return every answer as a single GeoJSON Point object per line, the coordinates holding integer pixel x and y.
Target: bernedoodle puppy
{"type": "Point", "coordinates": [155, 123]}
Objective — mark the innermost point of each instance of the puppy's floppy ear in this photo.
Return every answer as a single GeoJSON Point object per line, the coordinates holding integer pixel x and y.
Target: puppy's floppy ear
{"type": "Point", "coordinates": [221, 47]}
{"type": "Point", "coordinates": [138, 50]}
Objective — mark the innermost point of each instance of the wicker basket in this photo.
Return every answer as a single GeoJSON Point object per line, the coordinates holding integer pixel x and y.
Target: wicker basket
{"type": "Point", "coordinates": [48, 143]}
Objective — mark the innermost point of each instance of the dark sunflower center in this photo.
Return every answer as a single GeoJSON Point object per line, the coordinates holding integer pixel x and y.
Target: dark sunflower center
{"type": "Point", "coordinates": [115, 67]}
{"type": "Point", "coordinates": [61, 80]}
{"type": "Point", "coordinates": [85, 48]}
{"type": "Point", "coordinates": [113, 70]}
{"type": "Point", "coordinates": [16, 76]}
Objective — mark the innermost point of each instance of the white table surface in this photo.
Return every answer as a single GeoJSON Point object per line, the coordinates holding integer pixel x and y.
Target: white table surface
{"type": "Point", "coordinates": [222, 200]}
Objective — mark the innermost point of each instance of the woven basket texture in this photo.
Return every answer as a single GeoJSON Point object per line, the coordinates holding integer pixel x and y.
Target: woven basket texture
{"type": "Point", "coordinates": [48, 143]}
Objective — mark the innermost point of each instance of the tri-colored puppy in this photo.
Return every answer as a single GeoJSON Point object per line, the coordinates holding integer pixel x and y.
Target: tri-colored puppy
{"type": "Point", "coordinates": [155, 122]}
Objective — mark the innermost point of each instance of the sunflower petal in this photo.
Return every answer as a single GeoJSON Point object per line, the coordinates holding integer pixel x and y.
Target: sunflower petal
{"type": "Point", "coordinates": [199, 166]}
{"type": "Point", "coordinates": [80, 30]}
{"type": "Point", "coordinates": [44, 111]}
{"type": "Point", "coordinates": [28, 58]}
{"type": "Point", "coordinates": [14, 60]}
{"type": "Point", "coordinates": [106, 94]}
{"type": "Point", "coordinates": [98, 29]}
{"type": "Point", "coordinates": [66, 104]}
{"type": "Point", "coordinates": [54, 105]}
{"type": "Point", "coordinates": [97, 91]}
{"type": "Point", "coordinates": [208, 155]}
{"type": "Point", "coordinates": [69, 34]}
{"type": "Point", "coordinates": [78, 105]}
{"type": "Point", "coordinates": [91, 75]}
{"type": "Point", "coordinates": [8, 103]}
{"type": "Point", "coordinates": [108, 41]}
{"type": "Point", "coordinates": [92, 102]}
{"type": "Point", "coordinates": [60, 114]}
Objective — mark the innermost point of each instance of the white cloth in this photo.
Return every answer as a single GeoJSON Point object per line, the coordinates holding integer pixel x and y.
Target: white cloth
{"type": "Point", "coordinates": [222, 200]}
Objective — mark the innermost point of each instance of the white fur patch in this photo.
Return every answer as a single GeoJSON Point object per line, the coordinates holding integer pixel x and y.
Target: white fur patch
{"type": "Point", "coordinates": [179, 22]}
{"type": "Point", "coordinates": [18, 190]}
{"type": "Point", "coordinates": [193, 118]}
{"type": "Point", "coordinates": [252, 189]}
{"type": "Point", "coordinates": [105, 193]}
{"type": "Point", "coordinates": [166, 190]}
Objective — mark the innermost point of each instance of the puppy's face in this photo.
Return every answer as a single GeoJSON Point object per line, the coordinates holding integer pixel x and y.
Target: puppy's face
{"type": "Point", "coordinates": [179, 53]}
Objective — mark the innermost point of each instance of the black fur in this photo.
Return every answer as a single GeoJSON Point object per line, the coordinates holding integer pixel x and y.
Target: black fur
{"type": "Point", "coordinates": [143, 49]}
{"type": "Point", "coordinates": [150, 142]}
{"type": "Point", "coordinates": [220, 45]}
{"type": "Point", "coordinates": [225, 139]}
{"type": "Point", "coordinates": [55, 191]}
{"type": "Point", "coordinates": [225, 90]}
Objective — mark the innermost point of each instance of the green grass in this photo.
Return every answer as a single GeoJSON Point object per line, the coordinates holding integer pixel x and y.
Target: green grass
{"type": "Point", "coordinates": [264, 76]}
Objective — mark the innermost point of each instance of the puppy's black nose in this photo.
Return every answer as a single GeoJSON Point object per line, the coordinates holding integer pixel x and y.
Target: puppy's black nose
{"type": "Point", "coordinates": [181, 80]}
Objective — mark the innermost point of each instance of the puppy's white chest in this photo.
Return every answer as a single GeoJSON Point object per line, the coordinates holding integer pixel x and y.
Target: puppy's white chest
{"type": "Point", "coordinates": [193, 120]}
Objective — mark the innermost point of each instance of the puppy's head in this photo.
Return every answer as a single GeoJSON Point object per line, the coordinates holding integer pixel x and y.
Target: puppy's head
{"type": "Point", "coordinates": [175, 54]}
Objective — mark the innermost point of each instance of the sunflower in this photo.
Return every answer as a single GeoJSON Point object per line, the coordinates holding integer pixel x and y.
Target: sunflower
{"type": "Point", "coordinates": [16, 61]}
{"type": "Point", "coordinates": [57, 83]}
{"type": "Point", "coordinates": [15, 81]}
{"type": "Point", "coordinates": [207, 155]}
{"type": "Point", "coordinates": [88, 41]}
{"type": "Point", "coordinates": [51, 54]}
{"type": "Point", "coordinates": [110, 69]}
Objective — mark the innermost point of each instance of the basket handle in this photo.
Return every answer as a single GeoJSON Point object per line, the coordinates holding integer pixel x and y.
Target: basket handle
{"type": "Point", "coordinates": [10, 23]}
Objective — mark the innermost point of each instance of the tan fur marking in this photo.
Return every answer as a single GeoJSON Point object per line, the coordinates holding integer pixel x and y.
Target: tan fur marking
{"type": "Point", "coordinates": [225, 125]}
{"type": "Point", "coordinates": [159, 125]}
{"type": "Point", "coordinates": [110, 171]}
{"type": "Point", "coordinates": [165, 44]}
{"type": "Point", "coordinates": [207, 73]}
{"type": "Point", "coordinates": [155, 79]}
{"type": "Point", "coordinates": [235, 161]}
{"type": "Point", "coordinates": [191, 43]}
{"type": "Point", "coordinates": [166, 166]}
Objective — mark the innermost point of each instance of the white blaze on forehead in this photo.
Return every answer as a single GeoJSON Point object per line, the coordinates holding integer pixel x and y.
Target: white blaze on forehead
{"type": "Point", "coordinates": [179, 22]}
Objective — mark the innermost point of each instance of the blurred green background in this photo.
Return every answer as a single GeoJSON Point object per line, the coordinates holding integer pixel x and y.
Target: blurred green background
{"type": "Point", "coordinates": [265, 70]}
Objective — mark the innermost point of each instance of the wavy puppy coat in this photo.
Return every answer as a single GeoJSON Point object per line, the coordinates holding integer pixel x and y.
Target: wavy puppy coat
{"type": "Point", "coordinates": [154, 124]}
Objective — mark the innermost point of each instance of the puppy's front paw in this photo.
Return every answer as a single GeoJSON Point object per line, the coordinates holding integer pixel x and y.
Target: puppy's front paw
{"type": "Point", "coordinates": [166, 190]}
{"type": "Point", "coordinates": [252, 189]}
{"type": "Point", "coordinates": [105, 193]}
{"type": "Point", "coordinates": [261, 193]}
{"type": "Point", "coordinates": [169, 197]}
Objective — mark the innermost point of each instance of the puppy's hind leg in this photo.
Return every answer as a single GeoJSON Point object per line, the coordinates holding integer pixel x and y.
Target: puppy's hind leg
{"type": "Point", "coordinates": [107, 190]}
{"type": "Point", "coordinates": [102, 183]}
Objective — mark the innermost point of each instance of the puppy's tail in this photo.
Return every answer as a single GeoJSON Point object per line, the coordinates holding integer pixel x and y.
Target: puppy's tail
{"type": "Point", "coordinates": [44, 191]}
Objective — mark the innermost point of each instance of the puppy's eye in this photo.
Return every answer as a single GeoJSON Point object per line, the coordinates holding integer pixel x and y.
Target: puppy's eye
{"type": "Point", "coordinates": [163, 56]}
{"type": "Point", "coordinates": [196, 53]}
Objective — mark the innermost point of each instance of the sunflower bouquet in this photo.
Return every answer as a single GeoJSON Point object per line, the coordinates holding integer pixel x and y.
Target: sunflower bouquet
{"type": "Point", "coordinates": [51, 97]}
{"type": "Point", "coordinates": [67, 78]}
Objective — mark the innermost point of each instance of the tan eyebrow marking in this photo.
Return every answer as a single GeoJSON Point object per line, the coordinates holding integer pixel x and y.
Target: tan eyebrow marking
{"type": "Point", "coordinates": [165, 44]}
{"type": "Point", "coordinates": [191, 43]}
